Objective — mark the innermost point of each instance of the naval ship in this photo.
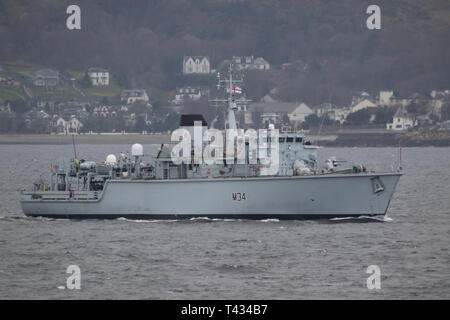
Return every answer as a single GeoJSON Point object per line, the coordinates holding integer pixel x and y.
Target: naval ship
{"type": "Point", "coordinates": [236, 188]}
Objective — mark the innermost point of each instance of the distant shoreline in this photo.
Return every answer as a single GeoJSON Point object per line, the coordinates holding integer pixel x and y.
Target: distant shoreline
{"type": "Point", "coordinates": [55, 139]}
{"type": "Point", "coordinates": [344, 140]}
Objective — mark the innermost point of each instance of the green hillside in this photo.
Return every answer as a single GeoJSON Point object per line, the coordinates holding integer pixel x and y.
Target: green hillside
{"type": "Point", "coordinates": [146, 40]}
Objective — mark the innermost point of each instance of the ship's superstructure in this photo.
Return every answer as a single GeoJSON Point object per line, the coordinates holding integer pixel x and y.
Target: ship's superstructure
{"type": "Point", "coordinates": [251, 174]}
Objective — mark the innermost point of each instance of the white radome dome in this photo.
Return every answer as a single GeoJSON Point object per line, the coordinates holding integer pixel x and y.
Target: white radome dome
{"type": "Point", "coordinates": [137, 150]}
{"type": "Point", "coordinates": [111, 159]}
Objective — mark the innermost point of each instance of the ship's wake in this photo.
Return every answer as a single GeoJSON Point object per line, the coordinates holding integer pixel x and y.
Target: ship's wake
{"type": "Point", "coordinates": [361, 219]}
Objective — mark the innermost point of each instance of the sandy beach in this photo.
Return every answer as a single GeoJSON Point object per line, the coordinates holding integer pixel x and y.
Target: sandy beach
{"type": "Point", "coordinates": [54, 139]}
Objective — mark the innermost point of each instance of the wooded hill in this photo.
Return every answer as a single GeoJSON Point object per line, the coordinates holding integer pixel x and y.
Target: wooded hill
{"type": "Point", "coordinates": [146, 40]}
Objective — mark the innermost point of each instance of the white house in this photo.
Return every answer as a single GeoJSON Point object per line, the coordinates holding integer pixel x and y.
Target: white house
{"type": "Point", "coordinates": [5, 108]}
{"type": "Point", "coordinates": [71, 125]}
{"type": "Point", "coordinates": [196, 64]}
{"type": "Point", "coordinates": [340, 114]}
{"type": "Point", "coordinates": [402, 120]}
{"type": "Point", "coordinates": [273, 112]}
{"type": "Point", "coordinates": [98, 76]}
{"type": "Point", "coordinates": [438, 99]}
{"type": "Point", "coordinates": [101, 111]}
{"type": "Point", "coordinates": [250, 63]}
{"type": "Point", "coordinates": [333, 112]}
{"type": "Point", "coordinates": [385, 98]}
{"type": "Point", "coordinates": [131, 96]}
{"type": "Point", "coordinates": [190, 93]}
{"type": "Point", "coordinates": [363, 104]}
{"type": "Point", "coordinates": [46, 78]}
{"type": "Point", "coordinates": [300, 113]}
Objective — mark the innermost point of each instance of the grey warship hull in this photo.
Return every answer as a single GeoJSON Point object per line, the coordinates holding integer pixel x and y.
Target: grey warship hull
{"type": "Point", "coordinates": [296, 197]}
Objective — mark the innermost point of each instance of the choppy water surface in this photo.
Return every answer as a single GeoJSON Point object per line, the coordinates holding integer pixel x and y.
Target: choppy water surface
{"type": "Point", "coordinates": [230, 259]}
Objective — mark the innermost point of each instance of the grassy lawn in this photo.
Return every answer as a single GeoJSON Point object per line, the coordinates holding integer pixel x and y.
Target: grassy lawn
{"type": "Point", "coordinates": [10, 93]}
{"type": "Point", "coordinates": [24, 71]}
{"type": "Point", "coordinates": [78, 75]}
{"type": "Point", "coordinates": [109, 91]}
{"type": "Point", "coordinates": [55, 93]}
{"type": "Point", "coordinates": [19, 69]}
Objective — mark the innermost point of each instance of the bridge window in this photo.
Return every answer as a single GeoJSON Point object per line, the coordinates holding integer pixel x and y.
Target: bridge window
{"type": "Point", "coordinates": [290, 139]}
{"type": "Point", "coordinates": [281, 140]}
{"type": "Point", "coordinates": [298, 139]}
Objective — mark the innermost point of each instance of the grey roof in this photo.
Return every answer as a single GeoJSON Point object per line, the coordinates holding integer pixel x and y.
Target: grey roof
{"type": "Point", "coordinates": [325, 106]}
{"type": "Point", "coordinates": [261, 60]}
{"type": "Point", "coordinates": [193, 88]}
{"type": "Point", "coordinates": [132, 93]}
{"type": "Point", "coordinates": [46, 73]}
{"type": "Point", "coordinates": [36, 114]}
{"type": "Point", "coordinates": [402, 113]}
{"type": "Point", "coordinates": [195, 57]}
{"type": "Point", "coordinates": [284, 107]}
{"type": "Point", "coordinates": [96, 69]}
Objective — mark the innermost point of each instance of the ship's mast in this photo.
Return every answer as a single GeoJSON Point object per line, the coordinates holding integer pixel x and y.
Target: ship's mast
{"type": "Point", "coordinates": [230, 102]}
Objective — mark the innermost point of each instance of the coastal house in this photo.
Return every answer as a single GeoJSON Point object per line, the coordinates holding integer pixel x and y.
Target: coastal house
{"type": "Point", "coordinates": [398, 100]}
{"type": "Point", "coordinates": [5, 108]}
{"type": "Point", "coordinates": [190, 93]}
{"type": "Point", "coordinates": [340, 114]}
{"type": "Point", "coordinates": [101, 111]}
{"type": "Point", "coordinates": [438, 100]}
{"type": "Point", "coordinates": [250, 63]}
{"type": "Point", "coordinates": [70, 108]}
{"type": "Point", "coordinates": [440, 94]}
{"type": "Point", "coordinates": [109, 111]}
{"type": "Point", "coordinates": [73, 125]}
{"type": "Point", "coordinates": [9, 81]}
{"type": "Point", "coordinates": [325, 108]}
{"type": "Point", "coordinates": [35, 114]}
{"type": "Point", "coordinates": [333, 112]}
{"type": "Point", "coordinates": [274, 112]}
{"type": "Point", "coordinates": [268, 98]}
{"type": "Point", "coordinates": [45, 104]}
{"type": "Point", "coordinates": [299, 114]}
{"type": "Point", "coordinates": [364, 104]}
{"type": "Point", "coordinates": [385, 98]}
{"type": "Point", "coordinates": [66, 125]}
{"type": "Point", "coordinates": [98, 76]}
{"type": "Point", "coordinates": [37, 119]}
{"type": "Point", "coordinates": [131, 96]}
{"type": "Point", "coordinates": [402, 120]}
{"type": "Point", "coordinates": [196, 65]}
{"type": "Point", "coordinates": [46, 78]}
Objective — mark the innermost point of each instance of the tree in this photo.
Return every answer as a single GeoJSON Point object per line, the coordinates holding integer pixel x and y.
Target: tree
{"type": "Point", "coordinates": [311, 120]}
{"type": "Point", "coordinates": [359, 117]}
{"type": "Point", "coordinates": [256, 119]}
{"type": "Point", "coordinates": [19, 106]}
{"type": "Point", "coordinates": [172, 121]}
{"type": "Point", "coordinates": [285, 119]}
{"type": "Point", "coordinates": [445, 111]}
{"type": "Point", "coordinates": [383, 115]}
{"type": "Point", "coordinates": [140, 124]}
{"type": "Point", "coordinates": [122, 80]}
{"type": "Point", "coordinates": [413, 108]}
{"type": "Point", "coordinates": [139, 107]}
{"type": "Point", "coordinates": [105, 101]}
{"type": "Point", "coordinates": [86, 81]}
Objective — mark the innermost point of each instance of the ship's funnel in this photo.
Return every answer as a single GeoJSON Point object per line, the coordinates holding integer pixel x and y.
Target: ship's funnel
{"type": "Point", "coordinates": [137, 150]}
